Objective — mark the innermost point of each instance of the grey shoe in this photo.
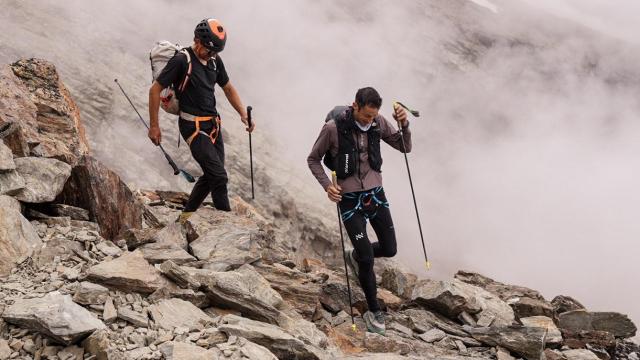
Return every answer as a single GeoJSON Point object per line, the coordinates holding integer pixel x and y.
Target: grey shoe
{"type": "Point", "coordinates": [353, 264]}
{"type": "Point", "coordinates": [375, 322]}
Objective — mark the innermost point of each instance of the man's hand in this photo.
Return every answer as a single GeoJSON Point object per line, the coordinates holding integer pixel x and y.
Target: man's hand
{"type": "Point", "coordinates": [400, 115]}
{"type": "Point", "coordinates": [155, 135]}
{"type": "Point", "coordinates": [333, 193]}
{"type": "Point", "coordinates": [245, 121]}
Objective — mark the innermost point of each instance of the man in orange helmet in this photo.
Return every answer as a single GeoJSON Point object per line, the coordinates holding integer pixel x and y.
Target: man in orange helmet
{"type": "Point", "coordinates": [194, 74]}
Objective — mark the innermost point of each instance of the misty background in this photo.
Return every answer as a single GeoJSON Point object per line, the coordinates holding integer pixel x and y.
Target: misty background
{"type": "Point", "coordinates": [525, 159]}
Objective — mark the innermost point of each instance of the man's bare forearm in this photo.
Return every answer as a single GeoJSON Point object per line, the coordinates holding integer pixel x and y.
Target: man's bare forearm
{"type": "Point", "coordinates": [234, 99]}
{"type": "Point", "coordinates": [154, 104]}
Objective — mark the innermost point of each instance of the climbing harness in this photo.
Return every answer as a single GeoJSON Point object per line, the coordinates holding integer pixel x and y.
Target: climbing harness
{"type": "Point", "coordinates": [364, 201]}
{"type": "Point", "coordinates": [197, 120]}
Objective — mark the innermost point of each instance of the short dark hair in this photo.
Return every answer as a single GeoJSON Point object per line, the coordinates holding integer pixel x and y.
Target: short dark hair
{"type": "Point", "coordinates": [368, 96]}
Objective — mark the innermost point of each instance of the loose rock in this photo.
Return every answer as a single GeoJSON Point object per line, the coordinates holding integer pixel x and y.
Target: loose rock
{"type": "Point", "coordinates": [55, 315]}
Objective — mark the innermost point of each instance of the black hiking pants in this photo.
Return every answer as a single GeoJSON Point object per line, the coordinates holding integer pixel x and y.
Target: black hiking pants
{"type": "Point", "coordinates": [356, 209]}
{"type": "Point", "coordinates": [210, 157]}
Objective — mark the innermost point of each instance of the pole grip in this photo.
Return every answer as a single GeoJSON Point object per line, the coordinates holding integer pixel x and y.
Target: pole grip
{"type": "Point", "coordinates": [334, 178]}
{"type": "Point", "coordinates": [249, 109]}
{"type": "Point", "coordinates": [396, 105]}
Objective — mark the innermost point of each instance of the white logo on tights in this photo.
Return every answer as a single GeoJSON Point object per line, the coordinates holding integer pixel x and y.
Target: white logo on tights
{"type": "Point", "coordinates": [359, 236]}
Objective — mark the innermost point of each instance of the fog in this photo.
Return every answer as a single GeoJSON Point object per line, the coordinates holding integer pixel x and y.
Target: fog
{"type": "Point", "coordinates": [525, 159]}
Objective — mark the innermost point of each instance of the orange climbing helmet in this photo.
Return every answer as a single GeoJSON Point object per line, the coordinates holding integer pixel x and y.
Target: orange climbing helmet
{"type": "Point", "coordinates": [212, 34]}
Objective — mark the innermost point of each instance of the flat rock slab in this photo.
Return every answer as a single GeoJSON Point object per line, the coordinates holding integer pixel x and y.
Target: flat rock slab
{"type": "Point", "coordinates": [581, 320]}
{"type": "Point", "coordinates": [44, 178]}
{"type": "Point", "coordinates": [55, 315]}
{"type": "Point", "coordinates": [129, 272]}
{"type": "Point", "coordinates": [173, 313]}
{"type": "Point", "coordinates": [244, 290]}
{"type": "Point", "coordinates": [525, 341]}
{"type": "Point", "coordinates": [279, 342]}
{"type": "Point", "coordinates": [157, 253]}
{"type": "Point", "coordinates": [451, 298]}
{"type": "Point", "coordinates": [173, 350]}
{"type": "Point", "coordinates": [18, 237]}
{"type": "Point", "coordinates": [88, 293]}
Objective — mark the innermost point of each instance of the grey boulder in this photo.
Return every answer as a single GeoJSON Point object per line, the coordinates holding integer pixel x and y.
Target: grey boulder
{"type": "Point", "coordinates": [129, 272]}
{"type": "Point", "coordinates": [55, 315]}
{"type": "Point", "coordinates": [451, 298]}
{"type": "Point", "coordinates": [44, 178]}
{"type": "Point", "coordinates": [172, 313]}
{"type": "Point", "coordinates": [526, 341]}
{"type": "Point", "coordinates": [279, 342]}
{"type": "Point", "coordinates": [11, 183]}
{"type": "Point", "coordinates": [18, 238]}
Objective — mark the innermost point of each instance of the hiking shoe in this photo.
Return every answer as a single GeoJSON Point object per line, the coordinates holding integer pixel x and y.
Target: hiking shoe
{"type": "Point", "coordinates": [375, 322]}
{"type": "Point", "coordinates": [353, 264]}
{"type": "Point", "coordinates": [184, 216]}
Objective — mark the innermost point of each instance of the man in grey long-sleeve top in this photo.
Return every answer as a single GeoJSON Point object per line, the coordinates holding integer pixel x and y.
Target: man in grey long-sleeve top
{"type": "Point", "coordinates": [349, 144]}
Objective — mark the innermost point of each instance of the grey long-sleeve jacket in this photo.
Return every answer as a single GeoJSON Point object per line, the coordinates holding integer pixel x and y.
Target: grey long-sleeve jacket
{"type": "Point", "coordinates": [366, 178]}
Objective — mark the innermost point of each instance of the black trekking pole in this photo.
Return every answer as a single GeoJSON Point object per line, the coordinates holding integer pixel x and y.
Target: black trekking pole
{"type": "Point", "coordinates": [334, 179]}
{"type": "Point", "coordinates": [176, 170]}
{"type": "Point", "coordinates": [404, 151]}
{"type": "Point", "coordinates": [249, 108]}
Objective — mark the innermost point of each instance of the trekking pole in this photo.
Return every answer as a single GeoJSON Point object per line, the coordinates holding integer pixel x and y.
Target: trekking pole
{"type": "Point", "coordinates": [176, 170]}
{"type": "Point", "coordinates": [249, 108]}
{"type": "Point", "coordinates": [415, 113]}
{"type": "Point", "coordinates": [334, 179]}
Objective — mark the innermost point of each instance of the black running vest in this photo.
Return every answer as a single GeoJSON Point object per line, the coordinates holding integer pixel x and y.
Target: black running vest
{"type": "Point", "coordinates": [346, 162]}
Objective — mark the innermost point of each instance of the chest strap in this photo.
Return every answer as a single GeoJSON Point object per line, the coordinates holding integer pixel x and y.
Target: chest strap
{"type": "Point", "coordinates": [198, 119]}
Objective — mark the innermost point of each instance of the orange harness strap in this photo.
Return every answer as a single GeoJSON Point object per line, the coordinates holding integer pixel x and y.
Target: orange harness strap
{"type": "Point", "coordinates": [214, 133]}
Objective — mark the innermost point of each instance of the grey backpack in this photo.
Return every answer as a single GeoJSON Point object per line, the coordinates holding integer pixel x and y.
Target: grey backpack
{"type": "Point", "coordinates": [159, 56]}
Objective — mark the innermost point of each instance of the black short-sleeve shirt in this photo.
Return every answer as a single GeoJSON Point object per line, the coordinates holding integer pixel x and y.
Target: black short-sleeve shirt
{"type": "Point", "coordinates": [198, 96]}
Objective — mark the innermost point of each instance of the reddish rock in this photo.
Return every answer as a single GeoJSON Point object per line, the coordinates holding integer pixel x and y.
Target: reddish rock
{"type": "Point", "coordinates": [580, 339]}
{"type": "Point", "coordinates": [12, 135]}
{"type": "Point", "coordinates": [17, 114]}
{"type": "Point", "coordinates": [56, 126]}
{"type": "Point", "coordinates": [110, 202]}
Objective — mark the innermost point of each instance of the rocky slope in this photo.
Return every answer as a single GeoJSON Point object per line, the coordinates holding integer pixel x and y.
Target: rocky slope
{"type": "Point", "coordinates": [94, 270]}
